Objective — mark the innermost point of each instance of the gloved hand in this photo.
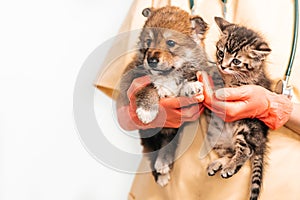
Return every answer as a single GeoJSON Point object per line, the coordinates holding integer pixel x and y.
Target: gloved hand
{"type": "Point", "coordinates": [173, 112]}
{"type": "Point", "coordinates": [249, 101]}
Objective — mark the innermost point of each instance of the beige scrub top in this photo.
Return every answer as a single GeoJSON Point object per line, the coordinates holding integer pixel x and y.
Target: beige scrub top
{"type": "Point", "coordinates": [189, 179]}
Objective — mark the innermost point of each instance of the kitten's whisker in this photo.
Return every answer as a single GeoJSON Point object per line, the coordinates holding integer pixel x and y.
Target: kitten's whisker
{"type": "Point", "coordinates": [240, 76]}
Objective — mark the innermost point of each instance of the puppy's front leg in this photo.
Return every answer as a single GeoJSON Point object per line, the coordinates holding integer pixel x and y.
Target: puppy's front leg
{"type": "Point", "coordinates": [147, 102]}
{"type": "Point", "coordinates": [190, 89]}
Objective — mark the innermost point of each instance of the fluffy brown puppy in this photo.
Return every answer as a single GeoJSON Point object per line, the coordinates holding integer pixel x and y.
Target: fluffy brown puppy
{"type": "Point", "coordinates": [170, 52]}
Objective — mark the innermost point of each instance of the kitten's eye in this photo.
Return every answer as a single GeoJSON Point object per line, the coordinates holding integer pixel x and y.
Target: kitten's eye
{"type": "Point", "coordinates": [171, 43]}
{"type": "Point", "coordinates": [220, 53]}
{"type": "Point", "coordinates": [236, 61]}
{"type": "Point", "coordinates": [148, 42]}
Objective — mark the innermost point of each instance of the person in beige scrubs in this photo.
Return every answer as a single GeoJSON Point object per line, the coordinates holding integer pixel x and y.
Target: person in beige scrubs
{"type": "Point", "coordinates": [189, 179]}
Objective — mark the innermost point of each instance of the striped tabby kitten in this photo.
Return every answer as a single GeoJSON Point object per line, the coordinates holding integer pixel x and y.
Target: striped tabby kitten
{"type": "Point", "coordinates": [241, 55]}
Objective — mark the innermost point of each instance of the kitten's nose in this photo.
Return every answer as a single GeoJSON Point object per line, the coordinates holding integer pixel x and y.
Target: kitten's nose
{"type": "Point", "coordinates": [223, 67]}
{"type": "Point", "coordinates": [152, 62]}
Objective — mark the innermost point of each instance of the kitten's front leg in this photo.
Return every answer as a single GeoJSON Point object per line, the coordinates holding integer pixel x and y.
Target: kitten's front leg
{"type": "Point", "coordinates": [190, 89]}
{"type": "Point", "coordinates": [147, 102]}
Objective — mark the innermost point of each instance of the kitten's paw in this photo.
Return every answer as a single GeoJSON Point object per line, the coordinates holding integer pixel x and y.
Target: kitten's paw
{"type": "Point", "coordinates": [147, 116]}
{"type": "Point", "coordinates": [163, 179]}
{"type": "Point", "coordinates": [229, 170]}
{"type": "Point", "coordinates": [214, 167]}
{"type": "Point", "coordinates": [192, 88]}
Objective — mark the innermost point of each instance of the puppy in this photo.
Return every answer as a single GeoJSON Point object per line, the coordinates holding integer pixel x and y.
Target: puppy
{"type": "Point", "coordinates": [171, 52]}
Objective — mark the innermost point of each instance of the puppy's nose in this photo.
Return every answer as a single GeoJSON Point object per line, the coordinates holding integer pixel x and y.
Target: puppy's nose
{"type": "Point", "coordinates": [152, 62]}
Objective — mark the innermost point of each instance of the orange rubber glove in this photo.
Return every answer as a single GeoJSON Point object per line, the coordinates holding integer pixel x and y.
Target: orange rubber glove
{"type": "Point", "coordinates": [173, 111]}
{"type": "Point", "coordinates": [248, 101]}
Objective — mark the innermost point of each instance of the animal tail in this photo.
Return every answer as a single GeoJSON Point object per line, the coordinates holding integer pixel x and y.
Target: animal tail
{"type": "Point", "coordinates": [257, 176]}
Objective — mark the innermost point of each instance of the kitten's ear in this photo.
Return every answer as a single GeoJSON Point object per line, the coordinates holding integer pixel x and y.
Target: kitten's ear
{"type": "Point", "coordinates": [261, 50]}
{"type": "Point", "coordinates": [147, 12]}
{"type": "Point", "coordinates": [222, 23]}
{"type": "Point", "coordinates": [199, 25]}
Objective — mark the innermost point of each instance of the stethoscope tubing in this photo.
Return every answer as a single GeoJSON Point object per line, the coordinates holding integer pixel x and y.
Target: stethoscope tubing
{"type": "Point", "coordinates": [294, 42]}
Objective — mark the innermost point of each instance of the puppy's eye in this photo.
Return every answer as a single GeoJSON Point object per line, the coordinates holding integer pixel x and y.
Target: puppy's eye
{"type": "Point", "coordinates": [236, 61]}
{"type": "Point", "coordinates": [220, 53]}
{"type": "Point", "coordinates": [171, 43]}
{"type": "Point", "coordinates": [148, 42]}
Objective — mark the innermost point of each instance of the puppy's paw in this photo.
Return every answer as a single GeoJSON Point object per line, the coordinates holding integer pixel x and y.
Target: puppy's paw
{"type": "Point", "coordinates": [147, 116]}
{"type": "Point", "coordinates": [192, 88]}
{"type": "Point", "coordinates": [162, 166]}
{"type": "Point", "coordinates": [163, 179]}
{"type": "Point", "coordinates": [164, 91]}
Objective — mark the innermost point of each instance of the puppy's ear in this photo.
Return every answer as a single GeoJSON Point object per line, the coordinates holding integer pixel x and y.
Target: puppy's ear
{"type": "Point", "coordinates": [199, 25]}
{"type": "Point", "coordinates": [222, 24]}
{"type": "Point", "coordinates": [147, 12]}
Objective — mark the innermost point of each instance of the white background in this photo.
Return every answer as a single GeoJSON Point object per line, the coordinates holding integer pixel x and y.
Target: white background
{"type": "Point", "coordinates": [42, 47]}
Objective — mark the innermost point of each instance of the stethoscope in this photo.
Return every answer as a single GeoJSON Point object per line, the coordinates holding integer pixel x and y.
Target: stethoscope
{"type": "Point", "coordinates": [282, 86]}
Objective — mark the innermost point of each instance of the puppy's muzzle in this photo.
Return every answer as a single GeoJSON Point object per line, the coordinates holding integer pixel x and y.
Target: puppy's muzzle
{"type": "Point", "coordinates": [152, 62]}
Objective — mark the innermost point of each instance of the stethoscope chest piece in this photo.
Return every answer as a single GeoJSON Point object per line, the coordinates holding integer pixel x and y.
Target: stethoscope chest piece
{"type": "Point", "coordinates": [283, 88]}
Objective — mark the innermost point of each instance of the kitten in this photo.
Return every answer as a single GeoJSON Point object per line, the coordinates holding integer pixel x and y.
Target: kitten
{"type": "Point", "coordinates": [170, 52]}
{"type": "Point", "coordinates": [241, 54]}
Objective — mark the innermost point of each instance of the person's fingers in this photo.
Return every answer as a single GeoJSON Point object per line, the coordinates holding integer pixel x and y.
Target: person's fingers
{"type": "Point", "coordinates": [228, 111]}
{"type": "Point", "coordinates": [279, 110]}
{"type": "Point", "coordinates": [175, 117]}
{"type": "Point", "coordinates": [178, 102]}
{"type": "Point", "coordinates": [216, 101]}
{"type": "Point", "coordinates": [195, 116]}
{"type": "Point", "coordinates": [169, 124]}
{"type": "Point", "coordinates": [210, 101]}
{"type": "Point", "coordinates": [231, 94]}
{"type": "Point", "coordinates": [192, 118]}
{"type": "Point", "coordinates": [168, 117]}
{"type": "Point", "coordinates": [199, 98]}
{"type": "Point", "coordinates": [199, 76]}
{"type": "Point", "coordinates": [207, 84]}
{"type": "Point", "coordinates": [137, 84]}
{"type": "Point", "coordinates": [187, 112]}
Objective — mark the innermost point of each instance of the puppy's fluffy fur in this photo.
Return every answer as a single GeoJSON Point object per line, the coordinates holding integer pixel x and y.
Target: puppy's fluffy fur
{"type": "Point", "coordinates": [170, 52]}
